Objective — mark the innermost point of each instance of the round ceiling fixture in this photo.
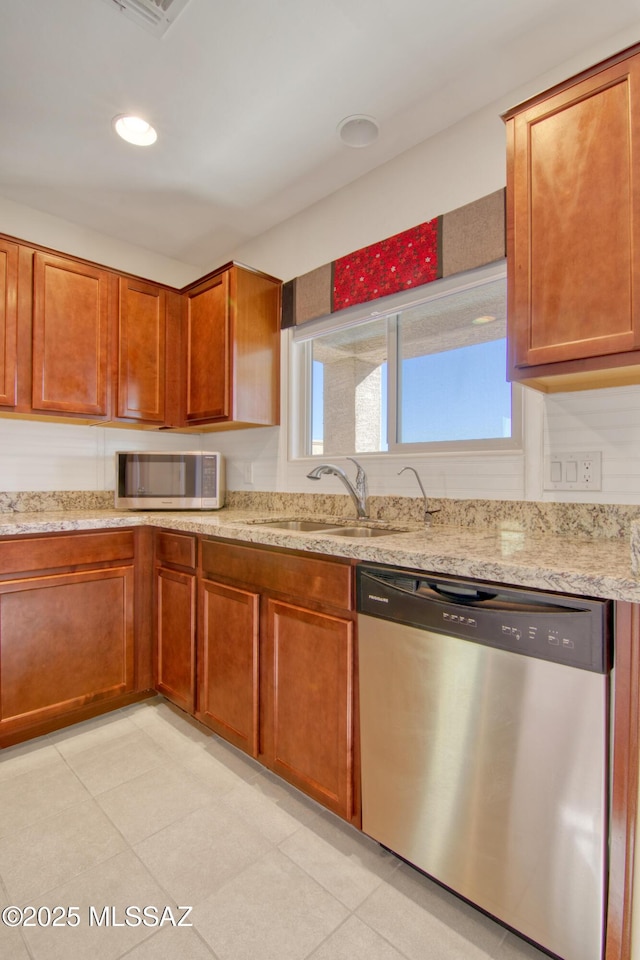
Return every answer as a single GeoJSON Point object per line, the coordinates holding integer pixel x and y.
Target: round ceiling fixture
{"type": "Point", "coordinates": [480, 321]}
{"type": "Point", "coordinates": [358, 130]}
{"type": "Point", "coordinates": [135, 130]}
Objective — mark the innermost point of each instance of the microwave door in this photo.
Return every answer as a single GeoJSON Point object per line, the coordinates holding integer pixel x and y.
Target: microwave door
{"type": "Point", "coordinates": [150, 476]}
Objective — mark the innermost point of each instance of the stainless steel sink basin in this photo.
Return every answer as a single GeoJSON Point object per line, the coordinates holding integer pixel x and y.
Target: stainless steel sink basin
{"type": "Point", "coordinates": [296, 524]}
{"type": "Point", "coordinates": [324, 526]}
{"type": "Point", "coordinates": [362, 532]}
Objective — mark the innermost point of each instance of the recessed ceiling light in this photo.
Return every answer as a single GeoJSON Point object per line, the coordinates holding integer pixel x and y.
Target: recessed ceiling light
{"type": "Point", "coordinates": [358, 130]}
{"type": "Point", "coordinates": [478, 321]}
{"type": "Point", "coordinates": [135, 130]}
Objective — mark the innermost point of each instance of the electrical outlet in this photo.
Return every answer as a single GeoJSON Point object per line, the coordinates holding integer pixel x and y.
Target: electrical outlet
{"type": "Point", "coordinates": [573, 471]}
{"type": "Point", "coordinates": [247, 471]}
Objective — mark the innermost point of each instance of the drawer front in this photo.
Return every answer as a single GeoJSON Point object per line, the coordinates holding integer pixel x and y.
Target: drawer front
{"type": "Point", "coordinates": [19, 555]}
{"type": "Point", "coordinates": [307, 578]}
{"type": "Point", "coordinates": [176, 548]}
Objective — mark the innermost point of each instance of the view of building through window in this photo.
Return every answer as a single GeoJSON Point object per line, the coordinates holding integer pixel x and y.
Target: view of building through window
{"type": "Point", "coordinates": [431, 373]}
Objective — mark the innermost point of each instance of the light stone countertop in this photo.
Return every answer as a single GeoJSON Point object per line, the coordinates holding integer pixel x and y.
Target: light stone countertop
{"type": "Point", "coordinates": [560, 563]}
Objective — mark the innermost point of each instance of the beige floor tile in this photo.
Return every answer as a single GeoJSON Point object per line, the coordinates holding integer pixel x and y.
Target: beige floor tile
{"type": "Point", "coordinates": [515, 948]}
{"type": "Point", "coordinates": [343, 874]}
{"type": "Point", "coordinates": [178, 943]}
{"type": "Point", "coordinates": [235, 760]}
{"type": "Point", "coordinates": [252, 802]}
{"type": "Point", "coordinates": [118, 883]}
{"type": "Point", "coordinates": [50, 852]}
{"type": "Point", "coordinates": [12, 945]}
{"type": "Point", "coordinates": [116, 762]}
{"type": "Point", "coordinates": [153, 800]}
{"type": "Point", "coordinates": [271, 911]}
{"type": "Point", "coordinates": [425, 922]}
{"type": "Point", "coordinates": [38, 794]}
{"type": "Point", "coordinates": [214, 775]}
{"type": "Point", "coordinates": [196, 855]}
{"type": "Point", "coordinates": [25, 757]}
{"type": "Point", "coordinates": [177, 732]}
{"type": "Point", "coordinates": [288, 798]}
{"type": "Point", "coordinates": [91, 733]}
{"type": "Point", "coordinates": [354, 940]}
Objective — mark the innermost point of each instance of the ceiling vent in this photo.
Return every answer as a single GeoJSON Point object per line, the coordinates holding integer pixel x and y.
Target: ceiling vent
{"type": "Point", "coordinates": [155, 16]}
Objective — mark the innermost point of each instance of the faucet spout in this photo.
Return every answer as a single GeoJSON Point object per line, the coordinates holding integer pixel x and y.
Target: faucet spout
{"type": "Point", "coordinates": [427, 513]}
{"type": "Point", "coordinates": [357, 490]}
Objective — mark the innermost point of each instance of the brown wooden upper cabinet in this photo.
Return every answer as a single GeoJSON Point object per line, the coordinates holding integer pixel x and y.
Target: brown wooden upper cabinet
{"type": "Point", "coordinates": [232, 349]}
{"type": "Point", "coordinates": [82, 342]}
{"type": "Point", "coordinates": [573, 224]}
{"type": "Point", "coordinates": [71, 319]}
{"type": "Point", "coordinates": [8, 321]}
{"type": "Point", "coordinates": [148, 353]}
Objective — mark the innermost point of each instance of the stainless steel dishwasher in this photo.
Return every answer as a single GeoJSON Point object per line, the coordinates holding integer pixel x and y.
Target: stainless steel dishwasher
{"type": "Point", "coordinates": [484, 716]}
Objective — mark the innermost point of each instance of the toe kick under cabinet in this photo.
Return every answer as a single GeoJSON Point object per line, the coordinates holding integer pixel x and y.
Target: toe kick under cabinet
{"type": "Point", "coordinates": [68, 648]}
{"type": "Point", "coordinates": [276, 664]}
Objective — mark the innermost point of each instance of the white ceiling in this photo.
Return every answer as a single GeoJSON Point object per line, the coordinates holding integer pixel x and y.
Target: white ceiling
{"type": "Point", "coordinates": [246, 96]}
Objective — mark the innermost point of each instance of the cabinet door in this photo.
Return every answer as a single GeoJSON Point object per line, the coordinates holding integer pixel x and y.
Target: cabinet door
{"type": "Point", "coordinates": [65, 641]}
{"type": "Point", "coordinates": [228, 663]}
{"type": "Point", "coordinates": [8, 321]}
{"type": "Point", "coordinates": [574, 231]}
{"type": "Point", "coordinates": [308, 705]}
{"type": "Point", "coordinates": [176, 622]}
{"type": "Point", "coordinates": [71, 314]}
{"type": "Point", "coordinates": [208, 360]}
{"type": "Point", "coordinates": [141, 351]}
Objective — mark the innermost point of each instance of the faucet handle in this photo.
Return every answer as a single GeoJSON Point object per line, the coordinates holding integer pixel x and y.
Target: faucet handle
{"type": "Point", "coordinates": [361, 479]}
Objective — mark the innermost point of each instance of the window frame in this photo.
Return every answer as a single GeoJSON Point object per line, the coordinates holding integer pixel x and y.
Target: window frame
{"type": "Point", "coordinates": [387, 308]}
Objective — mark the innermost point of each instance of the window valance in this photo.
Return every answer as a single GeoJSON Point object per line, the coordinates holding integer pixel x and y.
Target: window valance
{"type": "Point", "coordinates": [465, 238]}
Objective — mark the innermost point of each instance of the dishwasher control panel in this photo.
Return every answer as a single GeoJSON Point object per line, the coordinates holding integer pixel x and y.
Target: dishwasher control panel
{"type": "Point", "coordinates": [556, 627]}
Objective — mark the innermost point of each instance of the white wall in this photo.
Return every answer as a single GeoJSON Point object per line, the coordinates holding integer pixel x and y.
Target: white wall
{"type": "Point", "coordinates": [455, 167]}
{"type": "Point", "coordinates": [33, 226]}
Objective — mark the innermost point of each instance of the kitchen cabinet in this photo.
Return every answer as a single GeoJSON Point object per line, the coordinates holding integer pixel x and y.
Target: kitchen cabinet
{"type": "Point", "coordinates": [67, 630]}
{"type": "Point", "coordinates": [308, 702]}
{"type": "Point", "coordinates": [176, 618]}
{"type": "Point", "coordinates": [82, 342]}
{"type": "Point", "coordinates": [72, 316]}
{"type": "Point", "coordinates": [148, 349]}
{"type": "Point", "coordinates": [277, 665]}
{"type": "Point", "coordinates": [228, 663]}
{"type": "Point", "coordinates": [573, 230]}
{"type": "Point", "coordinates": [8, 321]}
{"type": "Point", "coordinates": [232, 349]}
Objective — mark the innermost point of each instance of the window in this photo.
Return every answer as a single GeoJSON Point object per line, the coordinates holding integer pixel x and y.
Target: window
{"type": "Point", "coordinates": [419, 375]}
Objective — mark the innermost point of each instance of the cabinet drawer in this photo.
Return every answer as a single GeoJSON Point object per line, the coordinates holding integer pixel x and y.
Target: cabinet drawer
{"type": "Point", "coordinates": [305, 577]}
{"type": "Point", "coordinates": [176, 548]}
{"type": "Point", "coordinates": [70, 550]}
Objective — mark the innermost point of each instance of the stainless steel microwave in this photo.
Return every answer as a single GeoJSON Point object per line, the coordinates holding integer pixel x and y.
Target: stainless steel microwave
{"type": "Point", "coordinates": [185, 480]}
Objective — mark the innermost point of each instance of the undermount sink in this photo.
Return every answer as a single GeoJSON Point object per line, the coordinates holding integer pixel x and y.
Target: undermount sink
{"type": "Point", "coordinates": [362, 532]}
{"type": "Point", "coordinates": [322, 526]}
{"type": "Point", "coordinates": [296, 524]}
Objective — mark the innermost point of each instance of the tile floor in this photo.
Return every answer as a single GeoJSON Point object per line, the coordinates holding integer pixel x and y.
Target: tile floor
{"type": "Point", "coordinates": [144, 807]}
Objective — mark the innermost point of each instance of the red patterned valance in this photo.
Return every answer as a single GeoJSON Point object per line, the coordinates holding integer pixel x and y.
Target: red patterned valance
{"type": "Point", "coordinates": [452, 243]}
{"type": "Point", "coordinates": [408, 259]}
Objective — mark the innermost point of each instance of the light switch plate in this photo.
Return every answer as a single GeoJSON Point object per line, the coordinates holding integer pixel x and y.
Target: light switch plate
{"type": "Point", "coordinates": [577, 470]}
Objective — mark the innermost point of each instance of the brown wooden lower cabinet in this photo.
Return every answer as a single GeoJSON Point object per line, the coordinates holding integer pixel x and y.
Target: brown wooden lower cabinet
{"type": "Point", "coordinates": [176, 620]}
{"type": "Point", "coordinates": [228, 663]}
{"type": "Point", "coordinates": [276, 664]}
{"type": "Point", "coordinates": [308, 700]}
{"type": "Point", "coordinates": [66, 641]}
{"type": "Point", "coordinates": [74, 637]}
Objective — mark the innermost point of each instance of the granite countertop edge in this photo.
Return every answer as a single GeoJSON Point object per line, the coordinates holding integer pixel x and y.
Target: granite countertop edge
{"type": "Point", "coordinates": [583, 566]}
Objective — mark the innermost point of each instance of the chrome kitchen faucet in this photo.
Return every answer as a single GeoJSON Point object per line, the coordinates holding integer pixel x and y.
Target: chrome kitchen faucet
{"type": "Point", "coordinates": [357, 491]}
{"type": "Point", "coordinates": [427, 513]}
